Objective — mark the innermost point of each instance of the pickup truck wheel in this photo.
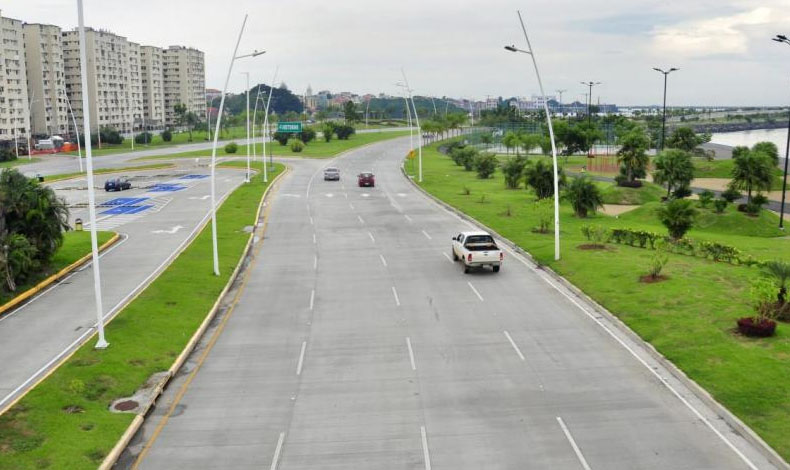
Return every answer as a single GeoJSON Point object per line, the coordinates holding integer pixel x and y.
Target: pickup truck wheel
{"type": "Point", "coordinates": [455, 257]}
{"type": "Point", "coordinates": [466, 269]}
{"type": "Point", "coordinates": [496, 269]}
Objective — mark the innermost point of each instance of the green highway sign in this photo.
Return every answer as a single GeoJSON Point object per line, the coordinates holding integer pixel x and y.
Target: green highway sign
{"type": "Point", "coordinates": [289, 127]}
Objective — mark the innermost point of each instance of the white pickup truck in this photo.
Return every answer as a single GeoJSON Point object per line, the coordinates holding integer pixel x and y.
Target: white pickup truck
{"type": "Point", "coordinates": [477, 249]}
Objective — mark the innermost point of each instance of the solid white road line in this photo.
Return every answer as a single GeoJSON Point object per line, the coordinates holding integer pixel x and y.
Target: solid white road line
{"type": "Point", "coordinates": [301, 359]}
{"type": "Point", "coordinates": [426, 235]}
{"type": "Point", "coordinates": [312, 298]}
{"type": "Point", "coordinates": [578, 452]}
{"type": "Point", "coordinates": [315, 262]}
{"type": "Point", "coordinates": [311, 220]}
{"type": "Point", "coordinates": [383, 261]}
{"type": "Point", "coordinates": [425, 454]}
{"type": "Point", "coordinates": [314, 239]}
{"type": "Point", "coordinates": [448, 257]}
{"type": "Point", "coordinates": [395, 294]}
{"type": "Point", "coordinates": [351, 206]}
{"type": "Point", "coordinates": [513, 343]}
{"type": "Point", "coordinates": [360, 219]}
{"type": "Point", "coordinates": [411, 354]}
{"type": "Point", "coordinates": [371, 237]}
{"type": "Point", "coordinates": [407, 217]}
{"type": "Point", "coordinates": [475, 291]}
{"type": "Point", "coordinates": [277, 450]}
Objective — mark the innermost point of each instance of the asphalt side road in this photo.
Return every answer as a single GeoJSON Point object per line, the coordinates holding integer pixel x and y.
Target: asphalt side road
{"type": "Point", "coordinates": [358, 343]}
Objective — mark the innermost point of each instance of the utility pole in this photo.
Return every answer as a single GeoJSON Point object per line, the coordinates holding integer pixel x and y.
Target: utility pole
{"type": "Point", "coordinates": [664, 118]}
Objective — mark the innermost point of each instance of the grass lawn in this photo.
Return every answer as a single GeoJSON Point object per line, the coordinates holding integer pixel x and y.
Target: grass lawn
{"type": "Point", "coordinates": [181, 138]}
{"type": "Point", "coordinates": [75, 246]}
{"type": "Point", "coordinates": [689, 318]}
{"type": "Point", "coordinates": [103, 171]}
{"type": "Point", "coordinates": [723, 169]}
{"type": "Point", "coordinates": [315, 149]}
{"type": "Point", "coordinates": [18, 162]}
{"type": "Point", "coordinates": [145, 338]}
{"type": "Point", "coordinates": [613, 194]}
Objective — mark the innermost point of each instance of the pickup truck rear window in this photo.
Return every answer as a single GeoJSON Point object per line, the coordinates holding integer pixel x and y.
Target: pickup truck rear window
{"type": "Point", "coordinates": [482, 239]}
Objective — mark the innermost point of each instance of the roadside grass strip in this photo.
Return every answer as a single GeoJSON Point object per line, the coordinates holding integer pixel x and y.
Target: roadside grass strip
{"type": "Point", "coordinates": [65, 422]}
{"type": "Point", "coordinates": [689, 318]}
{"type": "Point", "coordinates": [76, 245]}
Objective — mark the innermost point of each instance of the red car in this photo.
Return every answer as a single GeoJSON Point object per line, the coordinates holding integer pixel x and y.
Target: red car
{"type": "Point", "coordinates": [366, 180]}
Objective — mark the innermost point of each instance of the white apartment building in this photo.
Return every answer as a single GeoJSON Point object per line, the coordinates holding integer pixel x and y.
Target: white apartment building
{"type": "Point", "coordinates": [152, 71]}
{"type": "Point", "coordinates": [14, 114]}
{"type": "Point", "coordinates": [184, 81]}
{"type": "Point", "coordinates": [114, 79]}
{"type": "Point", "coordinates": [46, 85]}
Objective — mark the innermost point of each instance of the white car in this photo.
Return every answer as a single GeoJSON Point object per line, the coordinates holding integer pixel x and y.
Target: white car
{"type": "Point", "coordinates": [477, 249]}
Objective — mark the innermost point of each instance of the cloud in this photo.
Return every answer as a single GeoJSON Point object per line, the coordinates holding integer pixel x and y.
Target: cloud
{"type": "Point", "coordinates": [723, 35]}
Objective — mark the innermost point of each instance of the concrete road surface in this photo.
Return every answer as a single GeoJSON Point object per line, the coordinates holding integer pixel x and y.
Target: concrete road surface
{"type": "Point", "coordinates": [155, 218]}
{"type": "Point", "coordinates": [358, 344]}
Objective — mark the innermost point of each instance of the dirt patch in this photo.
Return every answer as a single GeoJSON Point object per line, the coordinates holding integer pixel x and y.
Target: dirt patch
{"type": "Point", "coordinates": [591, 246]}
{"type": "Point", "coordinates": [73, 409]}
{"type": "Point", "coordinates": [650, 279]}
{"type": "Point", "coordinates": [617, 209]}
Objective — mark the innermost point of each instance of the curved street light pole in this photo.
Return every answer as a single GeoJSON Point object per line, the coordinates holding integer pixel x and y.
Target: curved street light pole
{"type": "Point", "coordinates": [664, 118]}
{"type": "Point", "coordinates": [265, 133]}
{"type": "Point", "coordinates": [76, 130]}
{"type": "Point", "coordinates": [784, 39]}
{"type": "Point", "coordinates": [531, 53]}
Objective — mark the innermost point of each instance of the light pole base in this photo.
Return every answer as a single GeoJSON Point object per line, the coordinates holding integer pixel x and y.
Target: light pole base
{"type": "Point", "coordinates": [101, 344]}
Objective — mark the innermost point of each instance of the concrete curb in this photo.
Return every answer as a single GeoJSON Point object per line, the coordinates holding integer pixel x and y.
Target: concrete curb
{"type": "Point", "coordinates": [700, 393]}
{"type": "Point", "coordinates": [11, 304]}
{"type": "Point", "coordinates": [139, 419]}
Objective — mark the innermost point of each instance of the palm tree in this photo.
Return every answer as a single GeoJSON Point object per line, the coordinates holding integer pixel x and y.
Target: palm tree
{"type": "Point", "coordinates": [584, 196]}
{"type": "Point", "coordinates": [540, 177]}
{"type": "Point", "coordinates": [632, 154]}
{"type": "Point", "coordinates": [752, 170]}
{"type": "Point", "coordinates": [673, 168]}
{"type": "Point", "coordinates": [678, 217]}
{"type": "Point", "coordinates": [780, 271]}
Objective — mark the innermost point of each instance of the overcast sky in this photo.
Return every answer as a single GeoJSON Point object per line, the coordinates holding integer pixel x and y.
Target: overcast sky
{"type": "Point", "coordinates": [454, 48]}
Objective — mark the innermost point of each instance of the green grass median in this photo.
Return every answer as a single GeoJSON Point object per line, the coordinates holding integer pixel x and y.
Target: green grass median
{"type": "Point", "coordinates": [315, 149]}
{"type": "Point", "coordinates": [64, 422]}
{"type": "Point", "coordinates": [689, 318]}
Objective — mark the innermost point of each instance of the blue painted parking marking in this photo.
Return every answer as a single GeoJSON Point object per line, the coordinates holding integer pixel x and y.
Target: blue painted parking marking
{"type": "Point", "coordinates": [126, 210]}
{"type": "Point", "coordinates": [123, 201]}
{"type": "Point", "coordinates": [193, 177]}
{"type": "Point", "coordinates": [166, 188]}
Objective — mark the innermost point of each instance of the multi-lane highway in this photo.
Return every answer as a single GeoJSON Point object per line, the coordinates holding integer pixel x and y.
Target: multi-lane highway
{"type": "Point", "coordinates": [155, 218]}
{"type": "Point", "coordinates": [357, 343]}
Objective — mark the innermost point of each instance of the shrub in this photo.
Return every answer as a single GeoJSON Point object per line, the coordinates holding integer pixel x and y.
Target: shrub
{"type": "Point", "coordinates": [780, 272]}
{"type": "Point", "coordinates": [328, 130]}
{"type": "Point", "coordinates": [167, 135]}
{"type": "Point", "coordinates": [143, 138]}
{"type": "Point", "coordinates": [296, 145]}
{"type": "Point", "coordinates": [464, 157]}
{"type": "Point", "coordinates": [232, 147]}
{"type": "Point", "coordinates": [282, 138]}
{"type": "Point", "coordinates": [544, 209]}
{"type": "Point", "coordinates": [763, 297]}
{"type": "Point", "coordinates": [731, 195]}
{"type": "Point", "coordinates": [717, 251]}
{"type": "Point", "coordinates": [110, 135]}
{"type": "Point", "coordinates": [513, 169]}
{"type": "Point", "coordinates": [308, 134]}
{"type": "Point", "coordinates": [678, 217]}
{"type": "Point", "coordinates": [759, 200]}
{"type": "Point", "coordinates": [705, 197]}
{"type": "Point", "coordinates": [485, 164]}
{"type": "Point", "coordinates": [595, 233]}
{"type": "Point", "coordinates": [540, 177]}
{"type": "Point", "coordinates": [7, 155]}
{"type": "Point", "coordinates": [584, 196]}
{"type": "Point", "coordinates": [658, 261]}
{"type": "Point", "coordinates": [719, 205]}
{"type": "Point", "coordinates": [681, 192]}
{"type": "Point", "coordinates": [344, 131]}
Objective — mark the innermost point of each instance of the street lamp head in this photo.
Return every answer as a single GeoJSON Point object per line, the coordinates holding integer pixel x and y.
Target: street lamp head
{"type": "Point", "coordinates": [781, 37]}
{"type": "Point", "coordinates": [256, 53]}
{"type": "Point", "coordinates": [673, 69]}
{"type": "Point", "coordinates": [511, 48]}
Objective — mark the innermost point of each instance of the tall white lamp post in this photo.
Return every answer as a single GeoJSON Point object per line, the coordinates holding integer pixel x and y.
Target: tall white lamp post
{"type": "Point", "coordinates": [419, 129]}
{"type": "Point", "coordinates": [247, 175]}
{"type": "Point", "coordinates": [214, 146]}
{"type": "Point", "coordinates": [266, 125]}
{"type": "Point", "coordinates": [86, 115]}
{"type": "Point", "coordinates": [76, 131]}
{"type": "Point", "coordinates": [531, 53]}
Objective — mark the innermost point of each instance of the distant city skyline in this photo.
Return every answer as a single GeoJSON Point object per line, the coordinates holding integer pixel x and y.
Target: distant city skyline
{"type": "Point", "coordinates": [723, 48]}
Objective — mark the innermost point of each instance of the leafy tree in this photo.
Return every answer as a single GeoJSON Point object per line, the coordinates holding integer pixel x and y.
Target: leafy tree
{"type": "Point", "coordinates": [167, 135]}
{"type": "Point", "coordinates": [511, 141]}
{"type": "Point", "coordinates": [485, 164]}
{"type": "Point", "coordinates": [584, 196]}
{"type": "Point", "coordinates": [464, 156]}
{"type": "Point", "coordinates": [677, 216]}
{"type": "Point", "coordinates": [143, 138]}
{"type": "Point", "coordinates": [281, 137]}
{"type": "Point", "coordinates": [350, 111]}
{"type": "Point", "coordinates": [540, 177]}
{"type": "Point", "coordinates": [513, 169]}
{"type": "Point", "coordinates": [308, 134]}
{"type": "Point", "coordinates": [739, 150]}
{"type": "Point", "coordinates": [530, 142]}
{"type": "Point", "coordinates": [752, 170]}
{"type": "Point", "coordinates": [344, 131]}
{"type": "Point", "coordinates": [684, 138]}
{"type": "Point", "coordinates": [673, 169]}
{"type": "Point", "coordinates": [7, 155]}
{"type": "Point", "coordinates": [232, 147]}
{"type": "Point", "coordinates": [180, 111]}
{"type": "Point", "coordinates": [768, 148]}
{"type": "Point", "coordinates": [632, 154]}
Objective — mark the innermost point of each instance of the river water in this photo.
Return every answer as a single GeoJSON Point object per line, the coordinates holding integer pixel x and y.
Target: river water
{"type": "Point", "coordinates": [749, 138]}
